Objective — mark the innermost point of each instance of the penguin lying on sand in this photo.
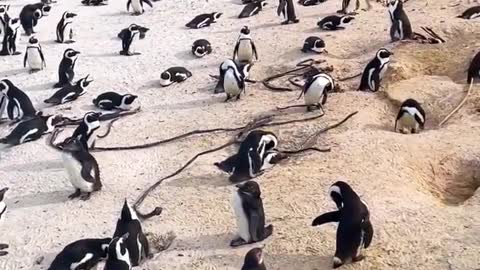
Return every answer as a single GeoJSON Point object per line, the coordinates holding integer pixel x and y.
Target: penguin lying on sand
{"type": "Point", "coordinates": [253, 9]}
{"type": "Point", "coordinates": [86, 129]}
{"type": "Point", "coordinates": [19, 104]}
{"type": "Point", "coordinates": [3, 212]}
{"type": "Point", "coordinates": [32, 129]}
{"type": "Point", "coordinates": [201, 47]}
{"type": "Point", "coordinates": [118, 257]}
{"type": "Point", "coordinates": [95, 2]}
{"type": "Point", "coordinates": [174, 75]}
{"type": "Point", "coordinates": [130, 36]}
{"type": "Point", "coordinates": [470, 13]}
{"type": "Point", "coordinates": [114, 101]}
{"type": "Point", "coordinates": [354, 232]}
{"type": "Point", "coordinates": [34, 56]}
{"type": "Point", "coordinates": [410, 118]}
{"type": "Point", "coordinates": [66, 69]}
{"type": "Point", "coordinates": [254, 260]}
{"type": "Point", "coordinates": [204, 20]}
{"type": "Point", "coordinates": [81, 254]}
{"type": "Point", "coordinates": [335, 22]}
{"type": "Point", "coordinates": [69, 93]}
{"type": "Point", "coordinates": [313, 44]}
{"type": "Point", "coordinates": [315, 91]}
{"type": "Point", "coordinates": [307, 3]}
{"type": "Point", "coordinates": [375, 71]}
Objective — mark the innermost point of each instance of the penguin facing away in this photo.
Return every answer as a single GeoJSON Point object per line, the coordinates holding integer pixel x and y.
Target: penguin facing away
{"type": "Point", "coordinates": [3, 211]}
{"type": "Point", "coordinates": [31, 129]}
{"type": "Point", "coordinates": [245, 51]}
{"type": "Point", "coordinates": [19, 104]}
{"type": "Point", "coordinates": [286, 8]}
{"type": "Point", "coordinates": [313, 44]}
{"type": "Point", "coordinates": [66, 68]}
{"type": "Point", "coordinates": [401, 28]}
{"type": "Point", "coordinates": [354, 232]}
{"type": "Point", "coordinates": [315, 90]}
{"type": "Point", "coordinates": [470, 13]}
{"type": "Point", "coordinates": [375, 70]}
{"type": "Point", "coordinates": [248, 207]}
{"type": "Point", "coordinates": [254, 260]}
{"type": "Point", "coordinates": [252, 9]}
{"type": "Point", "coordinates": [174, 75]}
{"type": "Point", "coordinates": [86, 129]}
{"type": "Point", "coordinates": [410, 117]}
{"type": "Point", "coordinates": [111, 101]}
{"type": "Point", "coordinates": [64, 28]}
{"type": "Point", "coordinates": [335, 22]}
{"type": "Point", "coordinates": [130, 36]}
{"type": "Point", "coordinates": [118, 257]}
{"type": "Point", "coordinates": [69, 93]}
{"type": "Point", "coordinates": [10, 38]}
{"type": "Point", "coordinates": [204, 20]}
{"type": "Point", "coordinates": [81, 254]}
{"type": "Point", "coordinates": [34, 56]}
{"type": "Point", "coordinates": [137, 6]}
{"type": "Point", "coordinates": [201, 47]}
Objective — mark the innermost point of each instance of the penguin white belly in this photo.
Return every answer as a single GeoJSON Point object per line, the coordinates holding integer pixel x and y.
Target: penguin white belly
{"type": "Point", "coordinates": [245, 51]}
{"type": "Point", "coordinates": [34, 59]}
{"type": "Point", "coordinates": [384, 69]}
{"type": "Point", "coordinates": [74, 168]}
{"type": "Point", "coordinates": [137, 6]}
{"type": "Point", "coordinates": [135, 39]}
{"type": "Point", "coordinates": [66, 32]}
{"type": "Point", "coordinates": [230, 84]}
{"type": "Point", "coordinates": [26, 136]}
{"type": "Point", "coordinates": [17, 110]}
{"type": "Point", "coordinates": [242, 220]}
{"type": "Point", "coordinates": [313, 95]}
{"type": "Point", "coordinates": [3, 104]}
{"type": "Point", "coordinates": [407, 122]}
{"type": "Point", "coordinates": [85, 259]}
{"type": "Point", "coordinates": [139, 245]}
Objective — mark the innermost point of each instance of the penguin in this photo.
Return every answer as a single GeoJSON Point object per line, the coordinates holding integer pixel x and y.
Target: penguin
{"type": "Point", "coordinates": [248, 207]}
{"type": "Point", "coordinates": [315, 91]}
{"type": "Point", "coordinates": [287, 10]}
{"type": "Point", "coordinates": [174, 75]}
{"type": "Point", "coordinates": [95, 2]}
{"type": "Point", "coordinates": [254, 260]}
{"type": "Point", "coordinates": [64, 28]}
{"type": "Point", "coordinates": [34, 56]}
{"type": "Point", "coordinates": [252, 9]}
{"type": "Point", "coordinates": [355, 231]}
{"type": "Point", "coordinates": [473, 69]}
{"type": "Point", "coordinates": [348, 7]}
{"type": "Point", "coordinates": [30, 15]}
{"type": "Point", "coordinates": [66, 69]}
{"type": "Point", "coordinates": [204, 20]}
{"type": "Point", "coordinates": [19, 104]}
{"type": "Point", "coordinates": [470, 13]}
{"type": "Point", "coordinates": [245, 50]}
{"type": "Point", "coordinates": [10, 38]}
{"type": "Point", "coordinates": [82, 254]}
{"type": "Point", "coordinates": [118, 257]}
{"type": "Point", "coordinates": [201, 47]}
{"type": "Point", "coordinates": [69, 93]}
{"type": "Point", "coordinates": [31, 129]}
{"type": "Point", "coordinates": [222, 68]}
{"type": "Point", "coordinates": [375, 70]}
{"type": "Point", "coordinates": [401, 28]}
{"type": "Point", "coordinates": [86, 129]}
{"type": "Point", "coordinates": [111, 101]}
{"type": "Point", "coordinates": [3, 19]}
{"type": "Point", "coordinates": [129, 37]}
{"type": "Point", "coordinates": [3, 211]}
{"type": "Point", "coordinates": [410, 118]}
{"type": "Point", "coordinates": [234, 82]}
{"type": "Point", "coordinates": [307, 3]}
{"type": "Point", "coordinates": [137, 6]}
{"type": "Point", "coordinates": [313, 44]}
{"type": "Point", "coordinates": [335, 22]}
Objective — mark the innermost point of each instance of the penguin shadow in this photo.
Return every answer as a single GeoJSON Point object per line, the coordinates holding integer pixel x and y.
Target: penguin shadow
{"type": "Point", "coordinates": [292, 261]}
{"type": "Point", "coordinates": [110, 54]}
{"type": "Point", "coordinates": [33, 166]}
{"type": "Point", "coordinates": [38, 199]}
{"type": "Point", "coordinates": [151, 84]}
{"type": "Point", "coordinates": [292, 54]}
{"type": "Point", "coordinates": [214, 179]}
{"type": "Point", "coordinates": [12, 72]}
{"type": "Point", "coordinates": [40, 87]}
{"type": "Point", "coordinates": [266, 25]}
{"type": "Point", "coordinates": [204, 242]}
{"type": "Point", "coordinates": [185, 55]}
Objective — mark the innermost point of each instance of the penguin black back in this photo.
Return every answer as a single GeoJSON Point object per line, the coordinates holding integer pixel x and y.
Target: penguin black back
{"type": "Point", "coordinates": [470, 13]}
{"type": "Point", "coordinates": [19, 104]}
{"type": "Point", "coordinates": [66, 68]}
{"type": "Point", "coordinates": [81, 254]}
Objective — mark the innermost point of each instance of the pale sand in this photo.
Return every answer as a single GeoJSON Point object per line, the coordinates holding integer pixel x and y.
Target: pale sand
{"type": "Point", "coordinates": [417, 187]}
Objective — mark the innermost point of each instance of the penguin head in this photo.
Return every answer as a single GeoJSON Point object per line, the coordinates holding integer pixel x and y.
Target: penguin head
{"type": "Point", "coordinates": [331, 83]}
{"type": "Point", "coordinates": [4, 9]}
{"type": "Point", "coordinates": [319, 44]}
{"type": "Point", "coordinates": [2, 193]}
{"type": "Point", "coordinates": [51, 120]}
{"type": "Point", "coordinates": [5, 84]}
{"type": "Point", "coordinates": [253, 259]}
{"type": "Point", "coordinates": [127, 212]}
{"type": "Point", "coordinates": [129, 99]}
{"type": "Point", "coordinates": [216, 16]}
{"type": "Point", "coordinates": [143, 30]}
{"type": "Point", "coordinates": [383, 54]}
{"type": "Point", "coordinates": [117, 249]}
{"type": "Point", "coordinates": [347, 19]}
{"type": "Point", "coordinates": [45, 10]}
{"type": "Point", "coordinates": [71, 54]}
{"type": "Point", "coordinates": [245, 30]}
{"type": "Point", "coordinates": [251, 188]}
{"type": "Point", "coordinates": [263, 3]}
{"type": "Point", "coordinates": [84, 82]}
{"type": "Point", "coordinates": [68, 16]}
{"type": "Point", "coordinates": [37, 13]}
{"type": "Point", "coordinates": [165, 75]}
{"type": "Point", "coordinates": [395, 4]}
{"type": "Point", "coordinates": [33, 40]}
{"type": "Point", "coordinates": [226, 64]}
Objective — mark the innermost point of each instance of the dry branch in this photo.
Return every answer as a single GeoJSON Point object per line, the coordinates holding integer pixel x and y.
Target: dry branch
{"type": "Point", "coordinates": [313, 138]}
{"type": "Point", "coordinates": [459, 105]}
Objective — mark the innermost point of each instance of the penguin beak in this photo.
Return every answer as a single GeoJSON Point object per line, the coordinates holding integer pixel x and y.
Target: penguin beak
{"type": "Point", "coordinates": [88, 81]}
{"type": "Point", "coordinates": [2, 191]}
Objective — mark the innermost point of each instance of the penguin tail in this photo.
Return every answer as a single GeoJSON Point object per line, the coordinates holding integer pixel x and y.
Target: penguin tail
{"type": "Point", "coordinates": [268, 231]}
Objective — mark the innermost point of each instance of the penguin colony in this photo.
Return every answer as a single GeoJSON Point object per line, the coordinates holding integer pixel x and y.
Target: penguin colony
{"type": "Point", "coordinates": [128, 247]}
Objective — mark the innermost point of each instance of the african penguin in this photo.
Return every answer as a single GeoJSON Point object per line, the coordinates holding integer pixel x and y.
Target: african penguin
{"type": "Point", "coordinates": [137, 6]}
{"type": "Point", "coordinates": [31, 129]}
{"type": "Point", "coordinates": [248, 207]}
{"type": "Point", "coordinates": [69, 93]}
{"type": "Point", "coordinates": [245, 51]}
{"type": "Point", "coordinates": [354, 232]}
{"type": "Point", "coordinates": [129, 37]}
{"type": "Point", "coordinates": [307, 3]}
{"type": "Point", "coordinates": [10, 38]}
{"type": "Point", "coordinates": [95, 2]}
{"type": "Point", "coordinates": [64, 28]}
{"type": "Point", "coordinates": [174, 75]}
{"type": "Point", "coordinates": [473, 69]}
{"type": "Point", "coordinates": [253, 8]}
{"type": "Point", "coordinates": [204, 20]}
{"type": "Point", "coordinates": [375, 70]}
{"type": "Point", "coordinates": [348, 7]}
{"type": "Point", "coordinates": [313, 44]}
{"type": "Point", "coordinates": [316, 89]}
{"type": "Point", "coordinates": [66, 69]}
{"type": "Point", "coordinates": [401, 28]}
{"type": "Point", "coordinates": [3, 212]}
{"type": "Point", "coordinates": [222, 69]}
{"type": "Point", "coordinates": [254, 260]}
{"type": "Point", "coordinates": [471, 13]}
{"type": "Point", "coordinates": [86, 129]}
{"type": "Point", "coordinates": [234, 81]}
{"type": "Point", "coordinates": [201, 47]}
{"type": "Point", "coordinates": [34, 55]}
{"type": "Point", "coordinates": [82, 254]}
{"type": "Point", "coordinates": [3, 19]}
{"type": "Point", "coordinates": [410, 117]}
{"type": "Point", "coordinates": [30, 15]}
{"type": "Point", "coordinates": [118, 257]}
{"type": "Point", "coordinates": [335, 22]}
{"type": "Point", "coordinates": [3, 104]}
{"type": "Point", "coordinates": [111, 101]}
{"type": "Point", "coordinates": [19, 104]}
{"type": "Point", "coordinates": [286, 8]}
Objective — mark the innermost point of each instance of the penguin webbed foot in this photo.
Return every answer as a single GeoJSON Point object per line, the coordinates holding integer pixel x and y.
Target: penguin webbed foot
{"type": "Point", "coordinates": [74, 195]}
{"type": "Point", "coordinates": [284, 22]}
{"type": "Point", "coordinates": [69, 41]}
{"type": "Point", "coordinates": [238, 242]}
{"type": "Point", "coordinates": [228, 98]}
{"type": "Point", "coordinates": [3, 246]}
{"type": "Point", "coordinates": [358, 258]}
{"type": "Point", "coordinates": [85, 196]}
{"type": "Point", "coordinates": [3, 253]}
{"type": "Point", "coordinates": [16, 53]}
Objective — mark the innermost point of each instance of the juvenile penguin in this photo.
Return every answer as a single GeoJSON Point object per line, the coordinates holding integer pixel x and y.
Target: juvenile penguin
{"type": "Point", "coordinates": [174, 75]}
{"type": "Point", "coordinates": [10, 38]}
{"type": "Point", "coordinates": [248, 207]}
{"type": "Point", "coordinates": [81, 254]}
{"type": "Point", "coordinates": [245, 51]}
{"type": "Point", "coordinates": [401, 28]}
{"type": "Point", "coordinates": [34, 56]}
{"type": "Point", "coordinates": [375, 70]}
{"type": "Point", "coordinates": [130, 36]}
{"type": "Point", "coordinates": [254, 260]}
{"type": "Point", "coordinates": [313, 44]}
{"type": "Point", "coordinates": [69, 93]}
{"type": "Point", "coordinates": [111, 101]}
{"type": "Point", "coordinates": [252, 9]}
{"type": "Point", "coordinates": [19, 104]}
{"type": "Point", "coordinates": [315, 91]}
{"type": "Point", "coordinates": [86, 129]}
{"type": "Point", "coordinates": [118, 257]}
{"type": "Point", "coordinates": [30, 15]}
{"type": "Point", "coordinates": [410, 117]}
{"type": "Point", "coordinates": [286, 8]}
{"type": "Point", "coordinates": [3, 212]}
{"type": "Point", "coordinates": [66, 69]}
{"type": "Point", "coordinates": [470, 13]}
{"type": "Point", "coordinates": [31, 129]}
{"type": "Point", "coordinates": [204, 20]}
{"type": "Point", "coordinates": [354, 232]}
{"type": "Point", "coordinates": [64, 28]}
{"type": "Point", "coordinates": [137, 6]}
{"type": "Point", "coordinates": [201, 47]}
{"type": "Point", "coordinates": [335, 22]}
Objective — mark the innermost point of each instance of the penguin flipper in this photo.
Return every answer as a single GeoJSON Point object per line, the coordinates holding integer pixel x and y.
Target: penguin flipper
{"type": "Point", "coordinates": [148, 3]}
{"type": "Point", "coordinates": [219, 87]}
{"type": "Point", "coordinates": [25, 59]}
{"type": "Point", "coordinates": [235, 51]}
{"type": "Point", "coordinates": [86, 172]}
{"type": "Point", "coordinates": [128, 4]}
{"type": "Point", "coordinates": [254, 50]}
{"type": "Point", "coordinates": [368, 229]}
{"type": "Point", "coordinates": [41, 56]}
{"type": "Point", "coordinates": [333, 216]}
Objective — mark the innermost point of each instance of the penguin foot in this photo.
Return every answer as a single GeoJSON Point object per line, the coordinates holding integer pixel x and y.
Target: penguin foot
{"type": "Point", "coordinates": [74, 195]}
{"type": "Point", "coordinates": [16, 53]}
{"type": "Point", "coordinates": [284, 23]}
{"type": "Point", "coordinates": [3, 253]}
{"type": "Point", "coordinates": [296, 21]}
{"type": "Point", "coordinates": [69, 41]}
{"type": "Point", "coordinates": [238, 97]}
{"type": "Point", "coordinates": [3, 246]}
{"type": "Point", "coordinates": [358, 258]}
{"type": "Point", "coordinates": [228, 98]}
{"type": "Point", "coordinates": [85, 196]}
{"type": "Point", "coordinates": [268, 231]}
{"type": "Point", "coordinates": [238, 242]}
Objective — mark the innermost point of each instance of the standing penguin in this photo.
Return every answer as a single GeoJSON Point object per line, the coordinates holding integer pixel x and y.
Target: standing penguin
{"type": "Point", "coordinates": [252, 8]}
{"type": "Point", "coordinates": [64, 28]}
{"type": "Point", "coordinates": [129, 37]}
{"type": "Point", "coordinates": [201, 47]}
{"type": "Point", "coordinates": [248, 207]}
{"type": "Point", "coordinates": [69, 93]}
{"type": "Point", "coordinates": [3, 19]}
{"type": "Point", "coordinates": [10, 38]}
{"type": "Point", "coordinates": [31, 129]}
{"type": "Point", "coordinates": [375, 70]}
{"type": "Point", "coordinates": [410, 118]}
{"type": "Point", "coordinates": [137, 6]}
{"type": "Point", "coordinates": [234, 81]}
{"type": "Point", "coordinates": [354, 231]}
{"type": "Point", "coordinates": [315, 89]}
{"type": "Point", "coordinates": [19, 104]}
{"type": "Point", "coordinates": [470, 13]}
{"type": "Point", "coordinates": [3, 211]}
{"type": "Point", "coordinates": [204, 20]}
{"type": "Point", "coordinates": [66, 69]}
{"type": "Point", "coordinates": [111, 101]}
{"type": "Point", "coordinates": [349, 7]}
{"type": "Point", "coordinates": [313, 44]}
{"type": "Point", "coordinates": [30, 15]}
{"type": "Point", "coordinates": [34, 56]}
{"type": "Point", "coordinates": [86, 129]}
{"type": "Point", "coordinates": [254, 260]}
{"type": "Point", "coordinates": [81, 254]}
{"type": "Point", "coordinates": [174, 75]}
{"type": "Point", "coordinates": [222, 69]}
{"type": "Point", "coordinates": [287, 9]}
{"type": "Point", "coordinates": [401, 28]}
{"type": "Point", "coordinates": [335, 22]}
{"type": "Point", "coordinates": [118, 257]}
{"type": "Point", "coordinates": [245, 50]}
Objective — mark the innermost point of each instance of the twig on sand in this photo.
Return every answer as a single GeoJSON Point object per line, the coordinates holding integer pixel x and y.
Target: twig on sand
{"type": "Point", "coordinates": [459, 105]}
{"type": "Point", "coordinates": [109, 127]}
